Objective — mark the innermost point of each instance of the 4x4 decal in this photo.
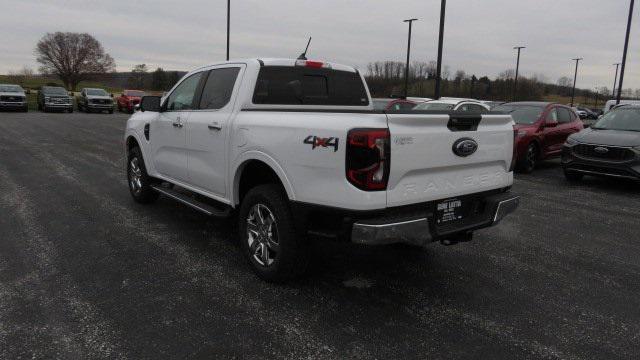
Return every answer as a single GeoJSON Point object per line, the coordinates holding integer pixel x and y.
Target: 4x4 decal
{"type": "Point", "coordinates": [315, 142]}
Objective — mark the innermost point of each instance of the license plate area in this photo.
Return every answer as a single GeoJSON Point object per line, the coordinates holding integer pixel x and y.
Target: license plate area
{"type": "Point", "coordinates": [450, 211]}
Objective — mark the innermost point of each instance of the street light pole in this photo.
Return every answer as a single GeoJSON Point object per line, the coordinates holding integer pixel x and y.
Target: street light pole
{"type": "Point", "coordinates": [406, 68]}
{"type": "Point", "coordinates": [575, 77]}
{"type": "Point", "coordinates": [228, 26]}
{"type": "Point", "coordinates": [615, 80]}
{"type": "Point", "coordinates": [515, 86]}
{"type": "Point", "coordinates": [624, 54]}
{"type": "Point", "coordinates": [443, 5]}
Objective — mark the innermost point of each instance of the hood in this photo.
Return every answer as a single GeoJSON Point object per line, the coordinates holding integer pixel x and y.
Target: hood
{"type": "Point", "coordinates": [96, 97]}
{"type": "Point", "coordinates": [608, 137]}
{"type": "Point", "coordinates": [21, 94]}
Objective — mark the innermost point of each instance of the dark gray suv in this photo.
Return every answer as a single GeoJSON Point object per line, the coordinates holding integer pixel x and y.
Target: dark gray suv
{"type": "Point", "coordinates": [609, 148]}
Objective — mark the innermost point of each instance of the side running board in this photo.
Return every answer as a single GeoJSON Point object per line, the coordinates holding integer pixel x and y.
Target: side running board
{"type": "Point", "coordinates": [205, 208]}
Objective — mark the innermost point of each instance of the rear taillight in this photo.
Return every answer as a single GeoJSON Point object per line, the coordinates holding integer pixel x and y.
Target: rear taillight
{"type": "Point", "coordinates": [368, 158]}
{"type": "Point", "coordinates": [514, 157]}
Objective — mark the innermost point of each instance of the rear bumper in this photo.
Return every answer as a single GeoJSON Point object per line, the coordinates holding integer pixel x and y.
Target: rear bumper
{"type": "Point", "coordinates": [414, 224]}
{"type": "Point", "coordinates": [422, 231]}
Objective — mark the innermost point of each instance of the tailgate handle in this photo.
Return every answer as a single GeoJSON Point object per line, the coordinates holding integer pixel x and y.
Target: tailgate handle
{"type": "Point", "coordinates": [464, 123]}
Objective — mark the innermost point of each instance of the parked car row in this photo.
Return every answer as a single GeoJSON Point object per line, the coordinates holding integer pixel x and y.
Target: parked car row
{"type": "Point", "coordinates": [56, 98]}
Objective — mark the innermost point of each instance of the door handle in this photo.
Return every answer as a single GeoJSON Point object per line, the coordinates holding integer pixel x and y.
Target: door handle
{"type": "Point", "coordinates": [215, 126]}
{"type": "Point", "coordinates": [177, 125]}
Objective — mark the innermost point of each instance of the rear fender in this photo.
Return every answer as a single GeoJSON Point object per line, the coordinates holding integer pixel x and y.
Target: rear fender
{"type": "Point", "coordinates": [244, 159]}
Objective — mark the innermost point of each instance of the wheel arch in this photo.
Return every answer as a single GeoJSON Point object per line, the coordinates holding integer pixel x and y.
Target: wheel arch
{"type": "Point", "coordinates": [255, 169]}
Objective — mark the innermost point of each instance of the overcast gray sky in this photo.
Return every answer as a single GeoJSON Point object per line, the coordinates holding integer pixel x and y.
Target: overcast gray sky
{"type": "Point", "coordinates": [479, 35]}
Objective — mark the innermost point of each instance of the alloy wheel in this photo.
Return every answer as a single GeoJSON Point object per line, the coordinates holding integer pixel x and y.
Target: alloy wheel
{"type": "Point", "coordinates": [135, 176]}
{"type": "Point", "coordinates": [262, 235]}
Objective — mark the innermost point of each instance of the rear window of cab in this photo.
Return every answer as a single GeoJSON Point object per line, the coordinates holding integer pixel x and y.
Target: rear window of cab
{"type": "Point", "coordinates": [287, 85]}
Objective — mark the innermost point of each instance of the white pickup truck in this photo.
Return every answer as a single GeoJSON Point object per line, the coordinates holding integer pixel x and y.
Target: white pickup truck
{"type": "Point", "coordinates": [293, 148]}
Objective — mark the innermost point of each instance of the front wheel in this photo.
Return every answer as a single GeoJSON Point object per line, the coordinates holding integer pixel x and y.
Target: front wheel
{"type": "Point", "coordinates": [139, 181]}
{"type": "Point", "coordinates": [275, 251]}
{"type": "Point", "coordinates": [530, 159]}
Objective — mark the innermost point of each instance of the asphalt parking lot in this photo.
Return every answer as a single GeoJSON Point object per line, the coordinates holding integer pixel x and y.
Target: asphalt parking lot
{"type": "Point", "coordinates": [87, 273]}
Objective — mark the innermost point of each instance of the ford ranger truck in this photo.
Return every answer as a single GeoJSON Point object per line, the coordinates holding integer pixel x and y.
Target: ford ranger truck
{"type": "Point", "coordinates": [293, 148]}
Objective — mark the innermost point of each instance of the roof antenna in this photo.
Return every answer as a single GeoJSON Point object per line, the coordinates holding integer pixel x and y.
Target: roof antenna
{"type": "Point", "coordinates": [303, 56]}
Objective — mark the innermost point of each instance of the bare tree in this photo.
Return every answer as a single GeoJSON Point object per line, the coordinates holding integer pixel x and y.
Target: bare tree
{"type": "Point", "coordinates": [20, 76]}
{"type": "Point", "coordinates": [72, 57]}
{"type": "Point", "coordinates": [138, 75]}
{"type": "Point", "coordinates": [565, 82]}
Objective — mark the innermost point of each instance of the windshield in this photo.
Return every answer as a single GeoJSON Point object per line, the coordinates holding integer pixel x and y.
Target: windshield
{"type": "Point", "coordinates": [433, 106]}
{"type": "Point", "coordinates": [96, 92]}
{"type": "Point", "coordinates": [54, 90]}
{"type": "Point", "coordinates": [521, 114]}
{"type": "Point", "coordinates": [11, 88]}
{"type": "Point", "coordinates": [626, 119]}
{"type": "Point", "coordinates": [134, 93]}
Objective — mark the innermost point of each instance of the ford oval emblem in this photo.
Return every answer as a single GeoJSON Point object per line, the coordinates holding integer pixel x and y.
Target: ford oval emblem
{"type": "Point", "coordinates": [465, 147]}
{"type": "Point", "coordinates": [601, 150]}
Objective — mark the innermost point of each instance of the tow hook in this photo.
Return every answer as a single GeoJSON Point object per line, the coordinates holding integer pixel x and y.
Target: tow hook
{"type": "Point", "coordinates": [456, 239]}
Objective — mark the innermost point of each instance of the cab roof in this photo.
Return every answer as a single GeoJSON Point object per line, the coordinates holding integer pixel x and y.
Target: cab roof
{"type": "Point", "coordinates": [280, 62]}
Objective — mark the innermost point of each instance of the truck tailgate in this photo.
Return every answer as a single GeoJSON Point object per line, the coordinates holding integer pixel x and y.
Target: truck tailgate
{"type": "Point", "coordinates": [424, 166]}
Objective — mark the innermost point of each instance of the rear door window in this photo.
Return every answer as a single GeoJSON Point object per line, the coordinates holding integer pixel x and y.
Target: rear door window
{"type": "Point", "coordinates": [288, 85]}
{"type": "Point", "coordinates": [218, 89]}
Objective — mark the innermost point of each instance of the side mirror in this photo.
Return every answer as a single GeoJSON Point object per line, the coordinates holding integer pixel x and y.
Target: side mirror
{"type": "Point", "coordinates": [70, 93]}
{"type": "Point", "coordinates": [111, 94]}
{"type": "Point", "coordinates": [551, 124]}
{"type": "Point", "coordinates": [150, 103]}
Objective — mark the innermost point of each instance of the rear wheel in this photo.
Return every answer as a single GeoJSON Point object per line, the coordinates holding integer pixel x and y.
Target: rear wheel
{"type": "Point", "coordinates": [273, 248]}
{"type": "Point", "coordinates": [530, 159]}
{"type": "Point", "coordinates": [139, 181]}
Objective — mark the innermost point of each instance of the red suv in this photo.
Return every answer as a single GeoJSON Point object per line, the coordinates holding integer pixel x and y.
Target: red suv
{"type": "Point", "coordinates": [129, 99]}
{"type": "Point", "coordinates": [393, 104]}
{"type": "Point", "coordinates": [541, 130]}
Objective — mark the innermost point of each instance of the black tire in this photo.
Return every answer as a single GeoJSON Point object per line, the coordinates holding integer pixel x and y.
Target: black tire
{"type": "Point", "coordinates": [286, 249]}
{"type": "Point", "coordinates": [39, 106]}
{"type": "Point", "coordinates": [529, 160]}
{"type": "Point", "coordinates": [70, 110]}
{"type": "Point", "coordinates": [111, 111]}
{"type": "Point", "coordinates": [139, 181]}
{"type": "Point", "coordinates": [572, 176]}
{"type": "Point", "coordinates": [25, 109]}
